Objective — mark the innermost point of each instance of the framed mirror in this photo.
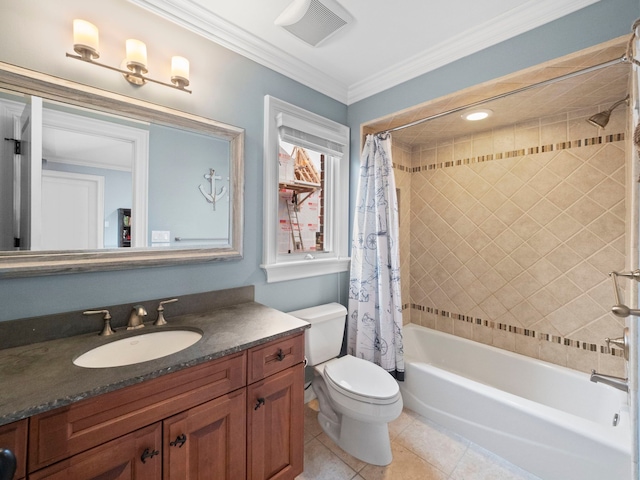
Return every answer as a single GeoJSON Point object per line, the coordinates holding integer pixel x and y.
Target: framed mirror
{"type": "Point", "coordinates": [94, 181]}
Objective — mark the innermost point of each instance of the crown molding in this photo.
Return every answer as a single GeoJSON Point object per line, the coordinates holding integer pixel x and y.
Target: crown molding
{"type": "Point", "coordinates": [197, 19]}
{"type": "Point", "coordinates": [519, 20]}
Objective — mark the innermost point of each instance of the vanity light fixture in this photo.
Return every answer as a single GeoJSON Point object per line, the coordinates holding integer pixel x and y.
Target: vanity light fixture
{"type": "Point", "coordinates": [476, 115]}
{"type": "Point", "coordinates": [134, 67]}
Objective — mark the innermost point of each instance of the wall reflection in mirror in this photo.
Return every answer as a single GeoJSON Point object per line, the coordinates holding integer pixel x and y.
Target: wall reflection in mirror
{"type": "Point", "coordinates": [108, 182]}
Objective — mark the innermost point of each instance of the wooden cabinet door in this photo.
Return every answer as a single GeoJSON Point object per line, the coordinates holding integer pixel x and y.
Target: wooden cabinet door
{"type": "Point", "coordinates": [275, 408]}
{"type": "Point", "coordinates": [136, 456]}
{"type": "Point", "coordinates": [13, 436]}
{"type": "Point", "coordinates": [207, 442]}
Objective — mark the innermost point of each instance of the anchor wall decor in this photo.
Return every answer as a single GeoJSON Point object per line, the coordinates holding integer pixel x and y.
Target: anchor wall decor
{"type": "Point", "coordinates": [212, 196]}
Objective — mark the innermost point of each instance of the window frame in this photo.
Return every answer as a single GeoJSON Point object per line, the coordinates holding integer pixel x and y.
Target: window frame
{"type": "Point", "coordinates": [279, 267]}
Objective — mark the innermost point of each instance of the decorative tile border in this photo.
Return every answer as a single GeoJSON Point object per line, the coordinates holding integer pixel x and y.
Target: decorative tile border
{"type": "Point", "coordinates": [618, 137]}
{"type": "Point", "coordinates": [591, 347]}
{"type": "Point", "coordinates": [400, 167]}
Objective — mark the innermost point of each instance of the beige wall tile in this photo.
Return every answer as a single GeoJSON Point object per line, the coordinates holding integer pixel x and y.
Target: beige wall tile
{"type": "Point", "coordinates": [463, 329]}
{"type": "Point", "coordinates": [504, 139]}
{"type": "Point", "coordinates": [581, 360]}
{"type": "Point", "coordinates": [483, 334]}
{"type": "Point", "coordinates": [525, 241]}
{"type": "Point", "coordinates": [482, 145]}
{"type": "Point", "coordinates": [462, 149]}
{"type": "Point", "coordinates": [526, 137]}
{"type": "Point", "coordinates": [444, 324]}
{"type": "Point", "coordinates": [553, 133]}
{"type": "Point", "coordinates": [505, 340]}
{"type": "Point", "coordinates": [553, 353]}
{"type": "Point", "coordinates": [529, 346]}
{"type": "Point", "coordinates": [610, 365]}
{"type": "Point", "coordinates": [579, 128]}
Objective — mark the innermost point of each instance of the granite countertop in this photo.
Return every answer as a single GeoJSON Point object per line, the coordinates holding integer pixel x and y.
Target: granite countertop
{"type": "Point", "coordinates": [41, 376]}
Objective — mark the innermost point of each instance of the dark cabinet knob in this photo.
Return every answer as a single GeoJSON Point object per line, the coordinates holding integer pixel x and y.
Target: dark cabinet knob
{"type": "Point", "coordinates": [280, 355]}
{"type": "Point", "coordinates": [148, 453]}
{"type": "Point", "coordinates": [7, 464]}
{"type": "Point", "coordinates": [179, 441]}
{"type": "Point", "coordinates": [259, 403]}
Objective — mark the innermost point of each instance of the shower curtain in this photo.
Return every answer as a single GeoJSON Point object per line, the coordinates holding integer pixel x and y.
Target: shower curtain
{"type": "Point", "coordinates": [375, 309]}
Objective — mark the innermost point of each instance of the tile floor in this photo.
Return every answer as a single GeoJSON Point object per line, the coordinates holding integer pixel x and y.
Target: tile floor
{"type": "Point", "coordinates": [422, 450]}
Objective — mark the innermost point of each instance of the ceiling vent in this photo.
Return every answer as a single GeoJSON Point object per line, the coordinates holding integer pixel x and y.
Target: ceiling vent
{"type": "Point", "coordinates": [313, 21]}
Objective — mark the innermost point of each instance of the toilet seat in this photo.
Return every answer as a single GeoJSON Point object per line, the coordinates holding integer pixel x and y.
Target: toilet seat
{"type": "Point", "coordinates": [361, 380]}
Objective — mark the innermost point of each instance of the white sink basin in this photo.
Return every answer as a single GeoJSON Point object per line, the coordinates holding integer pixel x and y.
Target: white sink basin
{"type": "Point", "coordinates": [137, 349]}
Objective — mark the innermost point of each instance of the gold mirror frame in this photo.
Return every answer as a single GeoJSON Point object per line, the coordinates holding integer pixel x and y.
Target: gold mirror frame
{"type": "Point", "coordinates": [35, 263]}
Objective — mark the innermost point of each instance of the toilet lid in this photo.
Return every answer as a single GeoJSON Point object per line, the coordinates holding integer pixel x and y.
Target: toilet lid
{"type": "Point", "coordinates": [357, 376]}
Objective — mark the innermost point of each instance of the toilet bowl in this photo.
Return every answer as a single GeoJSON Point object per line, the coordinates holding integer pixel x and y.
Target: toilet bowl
{"type": "Point", "coordinates": [357, 398]}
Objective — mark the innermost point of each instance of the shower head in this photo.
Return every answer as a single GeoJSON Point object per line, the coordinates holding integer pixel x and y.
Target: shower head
{"type": "Point", "coordinates": [601, 119]}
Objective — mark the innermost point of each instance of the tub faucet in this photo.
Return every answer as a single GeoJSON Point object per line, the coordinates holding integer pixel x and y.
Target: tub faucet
{"type": "Point", "coordinates": [615, 382]}
{"type": "Point", "coordinates": [138, 313]}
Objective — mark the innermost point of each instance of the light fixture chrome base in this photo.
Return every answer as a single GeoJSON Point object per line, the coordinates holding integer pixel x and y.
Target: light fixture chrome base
{"type": "Point", "coordinates": [86, 52]}
{"type": "Point", "coordinates": [134, 75]}
{"type": "Point", "coordinates": [180, 82]}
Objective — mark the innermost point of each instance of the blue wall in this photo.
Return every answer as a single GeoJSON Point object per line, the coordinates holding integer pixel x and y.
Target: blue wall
{"type": "Point", "coordinates": [178, 161]}
{"type": "Point", "coordinates": [230, 88]}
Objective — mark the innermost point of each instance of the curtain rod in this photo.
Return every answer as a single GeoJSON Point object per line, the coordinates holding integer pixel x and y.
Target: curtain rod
{"type": "Point", "coordinates": [506, 94]}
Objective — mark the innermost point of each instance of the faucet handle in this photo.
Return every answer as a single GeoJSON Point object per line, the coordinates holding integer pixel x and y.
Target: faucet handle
{"type": "Point", "coordinates": [161, 320]}
{"type": "Point", "coordinates": [622, 343]}
{"type": "Point", "coordinates": [106, 330]}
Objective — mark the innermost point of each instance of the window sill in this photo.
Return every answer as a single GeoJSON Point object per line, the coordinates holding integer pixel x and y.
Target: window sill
{"type": "Point", "coordinates": [280, 272]}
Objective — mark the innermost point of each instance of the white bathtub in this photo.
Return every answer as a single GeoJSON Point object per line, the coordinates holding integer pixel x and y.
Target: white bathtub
{"type": "Point", "coordinates": [549, 420]}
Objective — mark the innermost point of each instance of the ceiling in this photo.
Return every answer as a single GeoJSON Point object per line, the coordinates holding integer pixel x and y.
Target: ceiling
{"type": "Point", "coordinates": [89, 150]}
{"type": "Point", "coordinates": [382, 47]}
{"type": "Point", "coordinates": [570, 88]}
{"type": "Point", "coordinates": [576, 97]}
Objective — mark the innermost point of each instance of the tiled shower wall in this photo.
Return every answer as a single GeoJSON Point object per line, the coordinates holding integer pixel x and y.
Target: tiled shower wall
{"type": "Point", "coordinates": [507, 237]}
{"type": "Point", "coordinates": [401, 155]}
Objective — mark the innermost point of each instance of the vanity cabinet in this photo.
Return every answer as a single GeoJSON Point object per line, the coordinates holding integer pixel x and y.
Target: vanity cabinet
{"type": "Point", "coordinates": [240, 416]}
{"type": "Point", "coordinates": [13, 436]}
{"type": "Point", "coordinates": [68, 431]}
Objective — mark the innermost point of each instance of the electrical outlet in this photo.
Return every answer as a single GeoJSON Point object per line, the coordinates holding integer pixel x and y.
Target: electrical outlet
{"type": "Point", "coordinates": [160, 236]}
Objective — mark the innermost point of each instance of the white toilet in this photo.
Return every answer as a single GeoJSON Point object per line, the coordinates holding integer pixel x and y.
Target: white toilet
{"type": "Point", "coordinates": [357, 398]}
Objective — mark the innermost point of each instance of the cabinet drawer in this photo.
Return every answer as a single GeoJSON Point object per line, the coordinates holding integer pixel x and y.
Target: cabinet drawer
{"type": "Point", "coordinates": [136, 456]}
{"type": "Point", "coordinates": [13, 436]}
{"type": "Point", "coordinates": [63, 432]}
{"type": "Point", "coordinates": [275, 356]}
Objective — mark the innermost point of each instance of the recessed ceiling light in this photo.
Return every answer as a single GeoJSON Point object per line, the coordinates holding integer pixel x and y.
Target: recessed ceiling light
{"type": "Point", "coordinates": [477, 115]}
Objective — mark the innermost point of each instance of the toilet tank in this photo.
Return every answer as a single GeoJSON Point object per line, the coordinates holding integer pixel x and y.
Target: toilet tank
{"type": "Point", "coordinates": [323, 341]}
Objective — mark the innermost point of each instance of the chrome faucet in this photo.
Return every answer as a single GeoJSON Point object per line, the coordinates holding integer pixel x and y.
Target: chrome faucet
{"type": "Point", "coordinates": [615, 382]}
{"type": "Point", "coordinates": [138, 313]}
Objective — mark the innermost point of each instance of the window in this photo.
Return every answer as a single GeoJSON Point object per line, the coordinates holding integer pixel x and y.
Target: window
{"type": "Point", "coordinates": [306, 193]}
